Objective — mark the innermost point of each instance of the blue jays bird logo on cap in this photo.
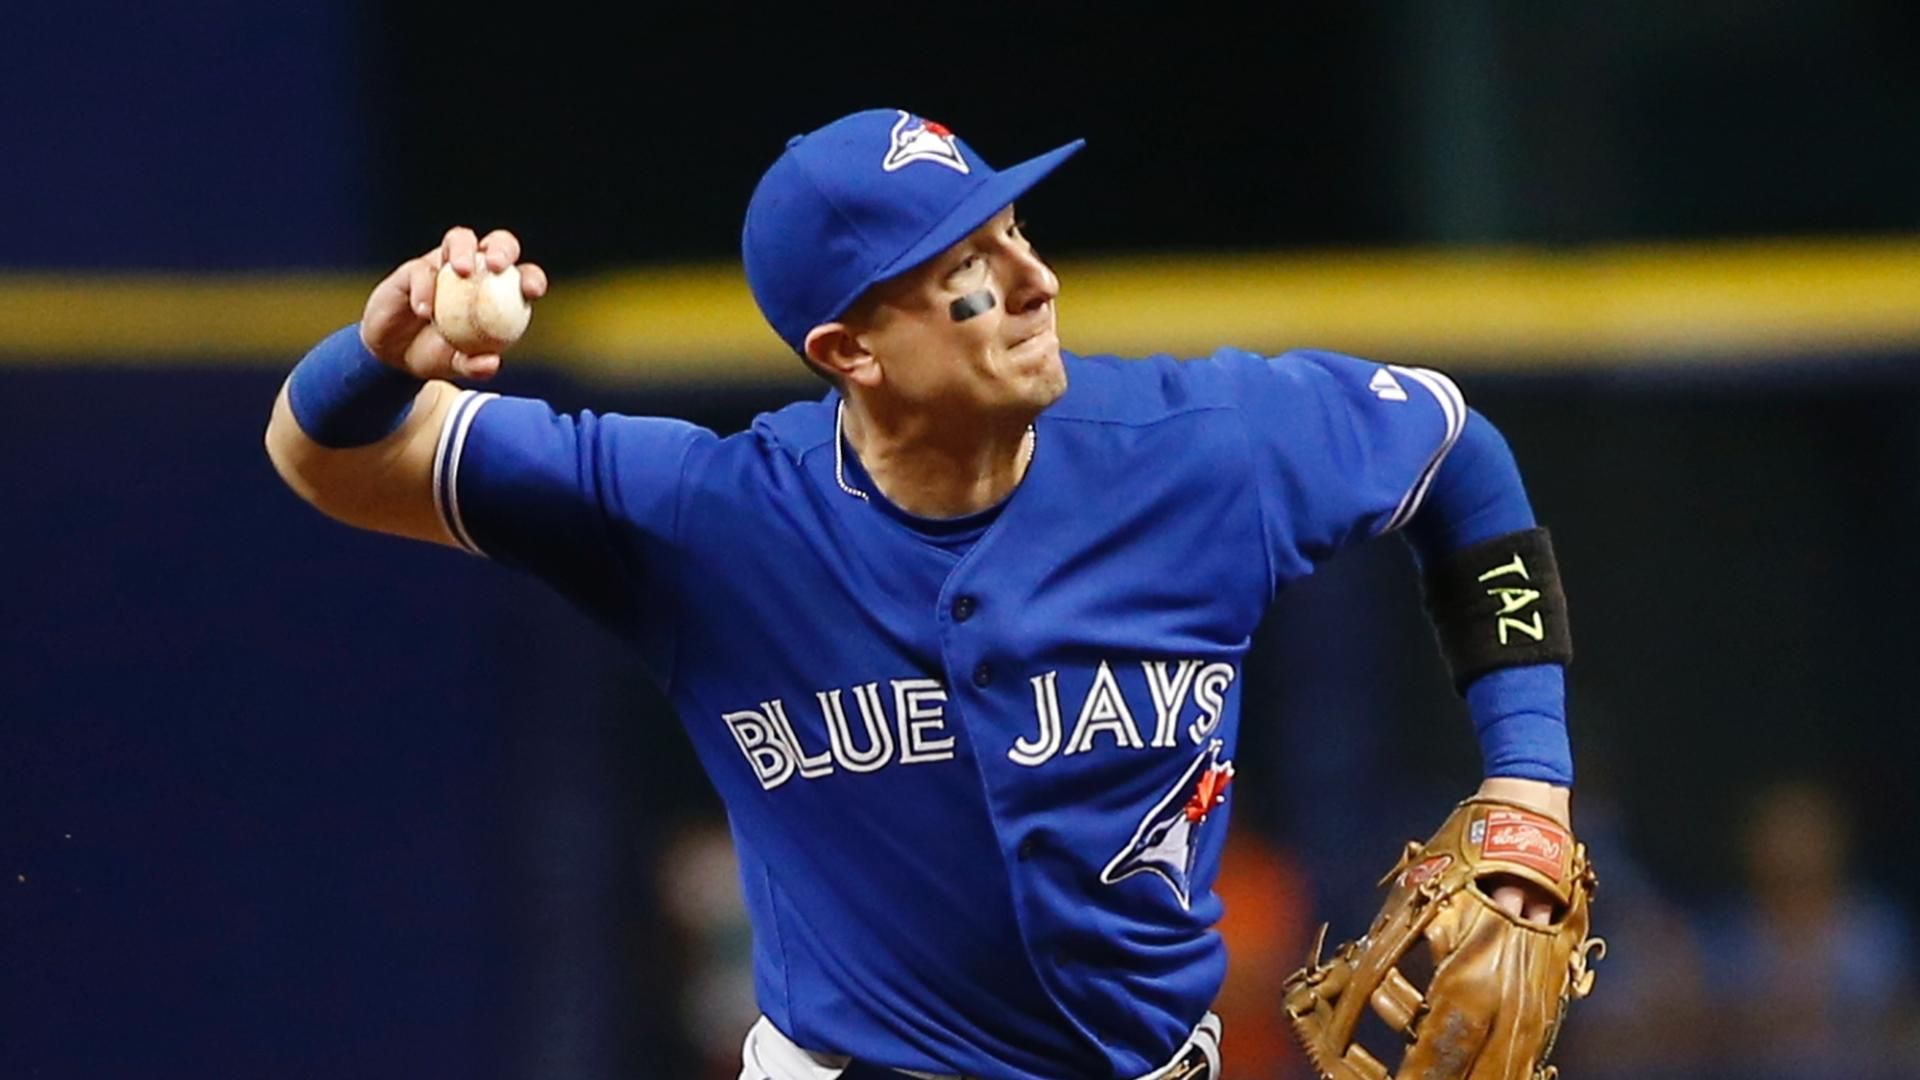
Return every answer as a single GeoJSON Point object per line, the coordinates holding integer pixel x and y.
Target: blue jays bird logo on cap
{"type": "Point", "coordinates": [915, 139]}
{"type": "Point", "coordinates": [1168, 838]}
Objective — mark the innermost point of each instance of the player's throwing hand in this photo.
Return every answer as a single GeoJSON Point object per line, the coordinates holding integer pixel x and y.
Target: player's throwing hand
{"type": "Point", "coordinates": [398, 325]}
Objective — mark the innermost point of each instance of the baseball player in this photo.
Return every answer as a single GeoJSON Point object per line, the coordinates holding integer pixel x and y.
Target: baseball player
{"type": "Point", "coordinates": [959, 642]}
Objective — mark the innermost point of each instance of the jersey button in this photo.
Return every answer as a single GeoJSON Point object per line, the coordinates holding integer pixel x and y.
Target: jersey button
{"type": "Point", "coordinates": [982, 674]}
{"type": "Point", "coordinates": [963, 608]}
{"type": "Point", "coordinates": [1027, 848]}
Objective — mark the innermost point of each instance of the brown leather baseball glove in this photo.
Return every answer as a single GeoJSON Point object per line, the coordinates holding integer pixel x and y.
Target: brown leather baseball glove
{"type": "Point", "coordinates": [1500, 986]}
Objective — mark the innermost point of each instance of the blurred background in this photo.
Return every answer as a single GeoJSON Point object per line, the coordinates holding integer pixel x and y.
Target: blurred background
{"type": "Point", "coordinates": [278, 799]}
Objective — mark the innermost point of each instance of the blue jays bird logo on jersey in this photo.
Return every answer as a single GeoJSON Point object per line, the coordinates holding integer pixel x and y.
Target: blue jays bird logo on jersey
{"type": "Point", "coordinates": [915, 139]}
{"type": "Point", "coordinates": [1168, 838]}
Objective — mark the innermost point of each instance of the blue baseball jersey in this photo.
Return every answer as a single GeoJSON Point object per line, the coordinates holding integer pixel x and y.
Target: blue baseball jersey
{"type": "Point", "coordinates": [978, 771]}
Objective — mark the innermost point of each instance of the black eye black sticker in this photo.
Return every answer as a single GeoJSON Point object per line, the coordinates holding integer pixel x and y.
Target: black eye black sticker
{"type": "Point", "coordinates": [978, 302]}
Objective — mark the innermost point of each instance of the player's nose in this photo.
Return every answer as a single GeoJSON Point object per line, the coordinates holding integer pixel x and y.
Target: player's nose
{"type": "Point", "coordinates": [1034, 283]}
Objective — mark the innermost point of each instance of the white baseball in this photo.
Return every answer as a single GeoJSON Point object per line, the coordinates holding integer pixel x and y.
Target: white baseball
{"type": "Point", "coordinates": [482, 313]}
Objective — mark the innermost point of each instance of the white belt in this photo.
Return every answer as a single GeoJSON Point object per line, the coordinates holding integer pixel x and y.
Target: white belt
{"type": "Point", "coordinates": [769, 1055]}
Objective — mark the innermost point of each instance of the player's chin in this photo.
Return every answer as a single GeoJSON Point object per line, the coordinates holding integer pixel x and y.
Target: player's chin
{"type": "Point", "coordinates": [1040, 383]}
{"type": "Point", "coordinates": [1054, 382]}
{"type": "Point", "coordinates": [1038, 366]}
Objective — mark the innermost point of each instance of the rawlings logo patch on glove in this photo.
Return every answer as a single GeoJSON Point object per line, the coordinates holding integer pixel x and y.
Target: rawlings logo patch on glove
{"type": "Point", "coordinates": [1500, 986]}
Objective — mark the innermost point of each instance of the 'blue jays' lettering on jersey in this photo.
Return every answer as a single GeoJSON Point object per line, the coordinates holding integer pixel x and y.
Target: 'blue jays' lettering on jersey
{"type": "Point", "coordinates": [979, 772]}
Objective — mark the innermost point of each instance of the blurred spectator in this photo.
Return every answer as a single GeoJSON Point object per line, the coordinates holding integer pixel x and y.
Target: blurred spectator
{"type": "Point", "coordinates": [1646, 1017]}
{"type": "Point", "coordinates": [699, 883]}
{"type": "Point", "coordinates": [1810, 971]}
{"type": "Point", "coordinates": [1265, 926]}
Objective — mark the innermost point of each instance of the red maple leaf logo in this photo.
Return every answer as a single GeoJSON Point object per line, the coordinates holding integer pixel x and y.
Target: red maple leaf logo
{"type": "Point", "coordinates": [1209, 793]}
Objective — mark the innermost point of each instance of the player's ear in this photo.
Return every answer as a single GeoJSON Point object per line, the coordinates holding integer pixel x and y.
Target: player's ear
{"type": "Point", "coordinates": [837, 350]}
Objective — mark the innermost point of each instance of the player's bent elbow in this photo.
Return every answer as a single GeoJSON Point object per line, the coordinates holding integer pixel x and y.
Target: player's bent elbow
{"type": "Point", "coordinates": [290, 451]}
{"type": "Point", "coordinates": [384, 487]}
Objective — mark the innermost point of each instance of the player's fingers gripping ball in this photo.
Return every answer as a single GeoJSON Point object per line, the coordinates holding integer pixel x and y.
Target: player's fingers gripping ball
{"type": "Point", "coordinates": [1500, 986]}
{"type": "Point", "coordinates": [483, 312]}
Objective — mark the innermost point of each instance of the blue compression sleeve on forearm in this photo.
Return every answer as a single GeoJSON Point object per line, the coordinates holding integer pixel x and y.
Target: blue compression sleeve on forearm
{"type": "Point", "coordinates": [1520, 717]}
{"type": "Point", "coordinates": [1519, 713]}
{"type": "Point", "coordinates": [343, 396]}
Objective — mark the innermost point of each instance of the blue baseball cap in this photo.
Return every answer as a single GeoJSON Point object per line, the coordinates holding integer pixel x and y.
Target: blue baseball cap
{"type": "Point", "coordinates": [865, 198]}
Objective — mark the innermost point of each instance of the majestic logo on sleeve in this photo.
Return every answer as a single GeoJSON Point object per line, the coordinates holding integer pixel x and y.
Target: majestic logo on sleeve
{"type": "Point", "coordinates": [1386, 387]}
{"type": "Point", "coordinates": [1168, 838]}
{"type": "Point", "coordinates": [915, 139]}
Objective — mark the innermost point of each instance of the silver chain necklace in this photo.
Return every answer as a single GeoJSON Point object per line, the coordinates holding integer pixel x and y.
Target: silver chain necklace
{"type": "Point", "coordinates": [840, 453]}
